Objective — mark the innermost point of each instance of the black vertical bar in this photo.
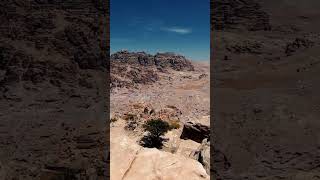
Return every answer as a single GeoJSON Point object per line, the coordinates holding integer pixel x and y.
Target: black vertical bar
{"type": "Point", "coordinates": [264, 89]}
{"type": "Point", "coordinates": [54, 89]}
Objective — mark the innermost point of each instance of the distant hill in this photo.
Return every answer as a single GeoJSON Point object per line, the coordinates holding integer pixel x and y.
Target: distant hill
{"type": "Point", "coordinates": [130, 68]}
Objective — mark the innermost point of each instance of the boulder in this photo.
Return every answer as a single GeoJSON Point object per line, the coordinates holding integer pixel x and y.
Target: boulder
{"type": "Point", "coordinates": [129, 161]}
{"type": "Point", "coordinates": [187, 148]}
{"type": "Point", "coordinates": [195, 131]}
{"type": "Point", "coordinates": [202, 154]}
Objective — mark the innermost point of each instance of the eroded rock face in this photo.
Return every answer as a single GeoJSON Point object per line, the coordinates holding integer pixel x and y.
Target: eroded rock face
{"type": "Point", "coordinates": [126, 76]}
{"type": "Point", "coordinates": [140, 58]}
{"type": "Point", "coordinates": [202, 154]}
{"type": "Point", "coordinates": [176, 62]}
{"type": "Point", "coordinates": [161, 60]}
{"type": "Point", "coordinates": [195, 131]}
{"type": "Point", "coordinates": [130, 161]}
{"type": "Point", "coordinates": [131, 68]}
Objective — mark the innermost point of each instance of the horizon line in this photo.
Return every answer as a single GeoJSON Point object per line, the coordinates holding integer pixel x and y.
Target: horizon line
{"type": "Point", "coordinates": [153, 54]}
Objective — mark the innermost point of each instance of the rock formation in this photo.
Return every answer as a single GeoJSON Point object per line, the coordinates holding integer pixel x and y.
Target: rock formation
{"type": "Point", "coordinates": [160, 60]}
{"type": "Point", "coordinates": [129, 68]}
{"type": "Point", "coordinates": [202, 154]}
{"type": "Point", "coordinates": [131, 161]}
{"type": "Point", "coordinates": [195, 131]}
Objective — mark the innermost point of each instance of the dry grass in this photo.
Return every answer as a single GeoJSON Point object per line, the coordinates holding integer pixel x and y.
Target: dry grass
{"type": "Point", "coordinates": [138, 106]}
{"type": "Point", "coordinates": [128, 117]}
{"type": "Point", "coordinates": [174, 124]}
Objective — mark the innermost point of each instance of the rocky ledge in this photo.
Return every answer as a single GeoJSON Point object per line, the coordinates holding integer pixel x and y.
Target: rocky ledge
{"type": "Point", "coordinates": [159, 60]}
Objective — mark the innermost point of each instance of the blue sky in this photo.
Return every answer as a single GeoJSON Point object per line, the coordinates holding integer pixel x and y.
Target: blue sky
{"type": "Point", "coordinates": [180, 26]}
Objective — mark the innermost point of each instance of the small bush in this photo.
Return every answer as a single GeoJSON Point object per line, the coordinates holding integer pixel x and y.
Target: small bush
{"type": "Point", "coordinates": [131, 125]}
{"type": "Point", "coordinates": [132, 121]}
{"type": "Point", "coordinates": [113, 119]}
{"type": "Point", "coordinates": [156, 129]}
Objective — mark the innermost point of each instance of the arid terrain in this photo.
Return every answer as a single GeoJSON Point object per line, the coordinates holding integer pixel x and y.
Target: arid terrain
{"type": "Point", "coordinates": [265, 103]}
{"type": "Point", "coordinates": [178, 93]}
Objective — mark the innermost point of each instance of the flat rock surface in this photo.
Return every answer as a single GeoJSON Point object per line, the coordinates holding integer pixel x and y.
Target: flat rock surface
{"type": "Point", "coordinates": [130, 161]}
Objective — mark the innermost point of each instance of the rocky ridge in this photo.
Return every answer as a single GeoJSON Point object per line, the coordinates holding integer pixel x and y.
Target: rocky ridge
{"type": "Point", "coordinates": [159, 60]}
{"type": "Point", "coordinates": [131, 68]}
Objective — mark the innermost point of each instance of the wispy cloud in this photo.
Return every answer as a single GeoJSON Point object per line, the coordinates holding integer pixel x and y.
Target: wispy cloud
{"type": "Point", "coordinates": [178, 30]}
{"type": "Point", "coordinates": [152, 25]}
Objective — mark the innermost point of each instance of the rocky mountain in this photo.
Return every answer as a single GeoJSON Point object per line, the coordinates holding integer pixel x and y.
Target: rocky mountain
{"type": "Point", "coordinates": [131, 68]}
{"type": "Point", "coordinates": [53, 65]}
{"type": "Point", "coordinates": [159, 60]}
{"type": "Point", "coordinates": [265, 63]}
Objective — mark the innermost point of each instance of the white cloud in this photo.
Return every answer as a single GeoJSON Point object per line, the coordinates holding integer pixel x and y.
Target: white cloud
{"type": "Point", "coordinates": [177, 30]}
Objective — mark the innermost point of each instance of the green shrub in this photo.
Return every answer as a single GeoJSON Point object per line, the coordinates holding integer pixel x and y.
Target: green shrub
{"type": "Point", "coordinates": [156, 129]}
